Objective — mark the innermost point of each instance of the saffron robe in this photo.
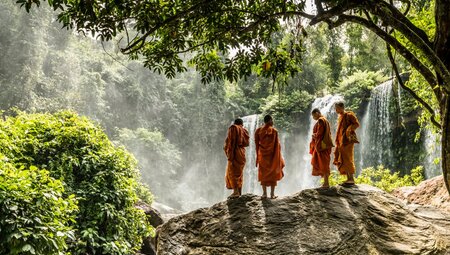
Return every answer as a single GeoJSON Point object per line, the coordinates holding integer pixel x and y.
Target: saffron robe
{"type": "Point", "coordinates": [320, 148]}
{"type": "Point", "coordinates": [344, 152]}
{"type": "Point", "coordinates": [268, 156]}
{"type": "Point", "coordinates": [235, 143]}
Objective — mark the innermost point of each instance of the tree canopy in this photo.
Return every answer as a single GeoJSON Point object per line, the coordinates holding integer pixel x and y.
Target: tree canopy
{"type": "Point", "coordinates": [228, 38]}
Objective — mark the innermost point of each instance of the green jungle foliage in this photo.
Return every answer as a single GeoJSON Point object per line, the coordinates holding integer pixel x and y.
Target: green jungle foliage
{"type": "Point", "coordinates": [143, 192]}
{"type": "Point", "coordinates": [101, 177]}
{"type": "Point", "coordinates": [356, 88]}
{"type": "Point", "coordinates": [365, 52]}
{"type": "Point", "coordinates": [37, 217]}
{"type": "Point", "coordinates": [287, 110]}
{"type": "Point", "coordinates": [421, 15]}
{"type": "Point", "coordinates": [383, 178]}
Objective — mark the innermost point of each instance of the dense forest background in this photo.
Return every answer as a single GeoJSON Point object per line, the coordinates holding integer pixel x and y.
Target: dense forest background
{"type": "Point", "coordinates": [176, 127]}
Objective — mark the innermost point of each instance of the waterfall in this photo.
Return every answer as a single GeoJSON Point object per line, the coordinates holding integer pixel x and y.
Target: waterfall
{"type": "Point", "coordinates": [376, 135]}
{"type": "Point", "coordinates": [432, 146]}
{"type": "Point", "coordinates": [399, 98]}
{"type": "Point", "coordinates": [251, 185]}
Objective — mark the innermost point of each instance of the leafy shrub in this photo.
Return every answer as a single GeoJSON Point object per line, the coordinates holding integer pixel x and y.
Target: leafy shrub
{"type": "Point", "coordinates": [101, 176]}
{"type": "Point", "coordinates": [143, 193]}
{"type": "Point", "coordinates": [287, 109]}
{"type": "Point", "coordinates": [35, 217]}
{"type": "Point", "coordinates": [356, 88]}
{"type": "Point", "coordinates": [383, 178]}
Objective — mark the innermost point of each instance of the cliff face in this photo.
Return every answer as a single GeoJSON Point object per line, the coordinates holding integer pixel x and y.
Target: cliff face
{"type": "Point", "coordinates": [360, 220]}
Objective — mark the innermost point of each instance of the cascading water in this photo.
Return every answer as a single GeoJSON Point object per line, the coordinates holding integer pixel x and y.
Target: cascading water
{"type": "Point", "coordinates": [399, 97]}
{"type": "Point", "coordinates": [326, 107]}
{"type": "Point", "coordinates": [376, 127]}
{"type": "Point", "coordinates": [251, 185]}
{"type": "Point", "coordinates": [432, 146]}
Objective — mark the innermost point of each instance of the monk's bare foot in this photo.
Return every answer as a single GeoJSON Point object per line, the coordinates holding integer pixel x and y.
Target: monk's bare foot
{"type": "Point", "coordinates": [324, 187]}
{"type": "Point", "coordinates": [264, 196]}
{"type": "Point", "coordinates": [273, 197]}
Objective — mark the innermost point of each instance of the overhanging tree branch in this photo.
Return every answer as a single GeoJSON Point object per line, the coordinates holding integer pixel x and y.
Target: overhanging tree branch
{"type": "Point", "coordinates": [391, 16]}
{"type": "Point", "coordinates": [388, 11]}
{"type": "Point", "coordinates": [132, 47]}
{"type": "Point", "coordinates": [140, 42]}
{"type": "Point", "coordinates": [409, 90]}
{"type": "Point", "coordinates": [323, 16]}
{"type": "Point", "coordinates": [394, 18]}
{"type": "Point", "coordinates": [411, 58]}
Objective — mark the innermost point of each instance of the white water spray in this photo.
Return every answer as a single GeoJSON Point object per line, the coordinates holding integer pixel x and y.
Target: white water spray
{"type": "Point", "coordinates": [377, 126]}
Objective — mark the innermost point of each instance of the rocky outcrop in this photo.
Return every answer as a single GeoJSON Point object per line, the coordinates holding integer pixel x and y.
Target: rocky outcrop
{"type": "Point", "coordinates": [358, 220]}
{"type": "Point", "coordinates": [429, 192]}
{"type": "Point", "coordinates": [155, 219]}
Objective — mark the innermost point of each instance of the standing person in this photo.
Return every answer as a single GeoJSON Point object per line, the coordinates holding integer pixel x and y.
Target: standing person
{"type": "Point", "coordinates": [345, 141]}
{"type": "Point", "coordinates": [269, 161]}
{"type": "Point", "coordinates": [320, 148]}
{"type": "Point", "coordinates": [235, 143]}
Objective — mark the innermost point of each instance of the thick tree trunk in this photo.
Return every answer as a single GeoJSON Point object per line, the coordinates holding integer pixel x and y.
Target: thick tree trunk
{"type": "Point", "coordinates": [442, 38]}
{"type": "Point", "coordinates": [442, 48]}
{"type": "Point", "coordinates": [446, 142]}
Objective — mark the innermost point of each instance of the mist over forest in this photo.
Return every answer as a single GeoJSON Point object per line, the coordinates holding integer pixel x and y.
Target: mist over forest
{"type": "Point", "coordinates": [176, 127]}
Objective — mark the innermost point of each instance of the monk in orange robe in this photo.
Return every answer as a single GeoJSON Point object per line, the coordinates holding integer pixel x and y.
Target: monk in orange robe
{"type": "Point", "coordinates": [320, 148]}
{"type": "Point", "coordinates": [269, 161]}
{"type": "Point", "coordinates": [345, 141]}
{"type": "Point", "coordinates": [235, 143]}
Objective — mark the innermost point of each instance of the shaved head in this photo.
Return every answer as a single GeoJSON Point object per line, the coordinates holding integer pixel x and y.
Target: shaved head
{"type": "Point", "coordinates": [267, 118]}
{"type": "Point", "coordinates": [340, 104]}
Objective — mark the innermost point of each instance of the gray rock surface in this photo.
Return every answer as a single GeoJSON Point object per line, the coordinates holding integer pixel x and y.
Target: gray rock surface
{"type": "Point", "coordinates": [359, 220]}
